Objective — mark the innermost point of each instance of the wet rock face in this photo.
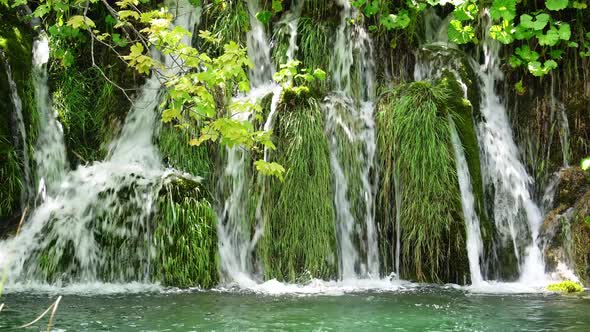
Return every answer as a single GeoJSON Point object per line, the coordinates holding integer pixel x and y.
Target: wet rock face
{"type": "Point", "coordinates": [573, 183]}
{"type": "Point", "coordinates": [565, 232]}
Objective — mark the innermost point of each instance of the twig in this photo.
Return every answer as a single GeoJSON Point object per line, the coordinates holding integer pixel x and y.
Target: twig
{"type": "Point", "coordinates": [52, 306]}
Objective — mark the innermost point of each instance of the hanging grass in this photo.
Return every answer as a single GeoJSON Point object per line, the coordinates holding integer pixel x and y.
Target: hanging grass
{"type": "Point", "coordinates": [177, 153]}
{"type": "Point", "coordinates": [414, 140]}
{"type": "Point", "coordinates": [10, 179]}
{"type": "Point", "coordinates": [299, 235]}
{"type": "Point", "coordinates": [229, 20]}
{"type": "Point", "coordinates": [186, 242]}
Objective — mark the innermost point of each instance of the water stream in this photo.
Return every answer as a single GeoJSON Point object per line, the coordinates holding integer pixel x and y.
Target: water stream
{"type": "Point", "coordinates": [351, 135]}
{"type": "Point", "coordinates": [516, 215]}
{"type": "Point", "coordinates": [20, 133]}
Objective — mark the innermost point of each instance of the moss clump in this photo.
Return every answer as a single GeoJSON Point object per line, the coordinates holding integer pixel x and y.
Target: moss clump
{"type": "Point", "coordinates": [414, 142]}
{"type": "Point", "coordinates": [299, 230]}
{"type": "Point", "coordinates": [566, 287]}
{"type": "Point", "coordinates": [185, 239]}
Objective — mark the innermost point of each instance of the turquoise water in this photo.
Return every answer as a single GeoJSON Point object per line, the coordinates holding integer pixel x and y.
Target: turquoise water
{"type": "Point", "coordinates": [429, 309]}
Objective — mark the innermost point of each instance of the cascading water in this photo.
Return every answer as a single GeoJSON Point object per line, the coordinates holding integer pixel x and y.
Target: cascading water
{"type": "Point", "coordinates": [97, 216]}
{"type": "Point", "coordinates": [474, 241]}
{"type": "Point", "coordinates": [504, 171]}
{"type": "Point", "coordinates": [50, 152]}
{"type": "Point", "coordinates": [236, 243]}
{"type": "Point", "coordinates": [350, 127]}
{"type": "Point", "coordinates": [20, 134]}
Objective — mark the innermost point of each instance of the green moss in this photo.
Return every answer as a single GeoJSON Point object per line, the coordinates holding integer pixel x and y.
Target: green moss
{"type": "Point", "coordinates": [566, 287]}
{"type": "Point", "coordinates": [299, 233]}
{"type": "Point", "coordinates": [414, 141]}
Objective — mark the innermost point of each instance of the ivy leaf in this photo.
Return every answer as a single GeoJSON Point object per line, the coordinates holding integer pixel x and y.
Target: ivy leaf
{"type": "Point", "coordinates": [460, 34]}
{"type": "Point", "coordinates": [264, 16]}
{"type": "Point", "coordinates": [549, 39]}
{"type": "Point", "coordinates": [505, 9]}
{"type": "Point", "coordinates": [556, 4]}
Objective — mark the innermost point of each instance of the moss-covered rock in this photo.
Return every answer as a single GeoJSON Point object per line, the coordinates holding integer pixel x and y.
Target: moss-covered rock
{"type": "Point", "coordinates": [299, 227]}
{"type": "Point", "coordinates": [572, 184]}
{"type": "Point", "coordinates": [566, 287]}
{"type": "Point", "coordinates": [581, 238]}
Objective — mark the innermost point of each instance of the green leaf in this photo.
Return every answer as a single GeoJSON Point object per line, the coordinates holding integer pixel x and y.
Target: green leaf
{"type": "Point", "coordinates": [538, 24]}
{"type": "Point", "coordinates": [372, 8]}
{"type": "Point", "coordinates": [500, 34]}
{"type": "Point", "coordinates": [460, 34]}
{"type": "Point", "coordinates": [264, 16]}
{"type": "Point", "coordinates": [549, 39]}
{"type": "Point", "coordinates": [565, 31]}
{"type": "Point", "coordinates": [514, 61]}
{"type": "Point", "coordinates": [271, 169]}
{"type": "Point", "coordinates": [319, 74]}
{"type": "Point", "coordinates": [526, 53]}
{"type": "Point", "coordinates": [579, 5]}
{"type": "Point", "coordinates": [399, 21]}
{"type": "Point", "coordinates": [585, 164]}
{"type": "Point", "coordinates": [556, 4]}
{"type": "Point", "coordinates": [80, 22]}
{"type": "Point", "coordinates": [520, 88]}
{"type": "Point", "coordinates": [277, 6]}
{"type": "Point", "coordinates": [505, 9]}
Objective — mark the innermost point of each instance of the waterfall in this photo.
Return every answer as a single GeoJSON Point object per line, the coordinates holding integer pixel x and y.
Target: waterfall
{"type": "Point", "coordinates": [95, 220]}
{"type": "Point", "coordinates": [50, 152]}
{"type": "Point", "coordinates": [235, 241]}
{"type": "Point", "coordinates": [474, 241]}
{"type": "Point", "coordinates": [504, 170]}
{"type": "Point", "coordinates": [564, 130]}
{"type": "Point", "coordinates": [19, 133]}
{"type": "Point", "coordinates": [350, 126]}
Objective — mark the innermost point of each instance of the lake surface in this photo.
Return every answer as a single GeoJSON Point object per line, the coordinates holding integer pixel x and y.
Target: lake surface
{"type": "Point", "coordinates": [415, 309]}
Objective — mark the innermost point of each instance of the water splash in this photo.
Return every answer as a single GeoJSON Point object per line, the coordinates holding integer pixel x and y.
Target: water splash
{"type": "Point", "coordinates": [505, 172]}
{"type": "Point", "coordinates": [350, 127]}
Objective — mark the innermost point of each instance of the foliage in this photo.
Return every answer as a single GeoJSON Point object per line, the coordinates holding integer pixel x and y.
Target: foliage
{"type": "Point", "coordinates": [414, 142]}
{"type": "Point", "coordinates": [299, 233]}
{"type": "Point", "coordinates": [513, 21]}
{"type": "Point", "coordinates": [197, 85]}
{"type": "Point", "coordinates": [10, 178]}
{"type": "Point", "coordinates": [567, 286]}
